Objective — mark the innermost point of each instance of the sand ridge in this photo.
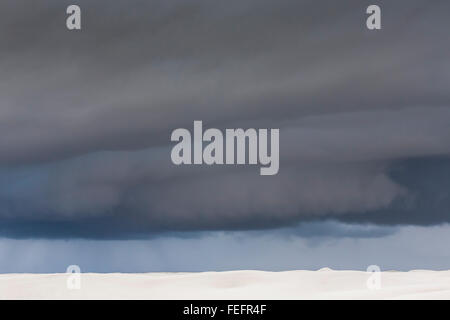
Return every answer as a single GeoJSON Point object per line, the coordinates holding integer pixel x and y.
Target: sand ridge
{"type": "Point", "coordinates": [246, 284]}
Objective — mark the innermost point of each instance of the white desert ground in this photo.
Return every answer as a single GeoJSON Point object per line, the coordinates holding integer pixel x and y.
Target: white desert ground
{"type": "Point", "coordinates": [322, 284]}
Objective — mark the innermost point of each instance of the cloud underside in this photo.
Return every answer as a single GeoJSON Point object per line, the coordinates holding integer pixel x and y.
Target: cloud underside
{"type": "Point", "coordinates": [86, 117]}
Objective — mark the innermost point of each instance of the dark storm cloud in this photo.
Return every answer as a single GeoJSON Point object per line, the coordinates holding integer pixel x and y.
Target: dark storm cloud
{"type": "Point", "coordinates": [86, 116]}
{"type": "Point", "coordinates": [140, 69]}
{"type": "Point", "coordinates": [428, 200]}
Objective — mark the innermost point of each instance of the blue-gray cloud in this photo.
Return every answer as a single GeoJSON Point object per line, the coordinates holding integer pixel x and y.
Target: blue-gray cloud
{"type": "Point", "coordinates": [407, 248]}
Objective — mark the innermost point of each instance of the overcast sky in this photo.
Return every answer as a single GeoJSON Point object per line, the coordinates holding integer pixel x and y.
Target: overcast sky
{"type": "Point", "coordinates": [86, 118]}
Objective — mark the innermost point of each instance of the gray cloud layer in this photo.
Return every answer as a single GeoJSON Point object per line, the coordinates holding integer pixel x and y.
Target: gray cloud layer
{"type": "Point", "coordinates": [85, 117]}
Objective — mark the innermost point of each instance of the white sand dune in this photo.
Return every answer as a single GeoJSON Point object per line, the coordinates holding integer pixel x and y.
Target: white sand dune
{"type": "Point", "coordinates": [322, 284]}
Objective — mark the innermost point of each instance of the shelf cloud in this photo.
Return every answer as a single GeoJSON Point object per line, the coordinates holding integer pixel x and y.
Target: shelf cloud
{"type": "Point", "coordinates": [86, 116]}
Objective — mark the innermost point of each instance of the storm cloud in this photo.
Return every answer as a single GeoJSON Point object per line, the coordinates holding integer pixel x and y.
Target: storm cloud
{"type": "Point", "coordinates": [86, 116]}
